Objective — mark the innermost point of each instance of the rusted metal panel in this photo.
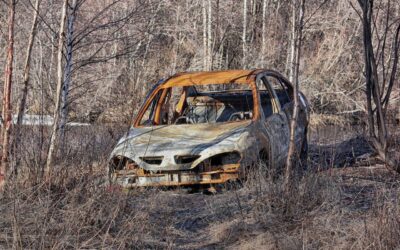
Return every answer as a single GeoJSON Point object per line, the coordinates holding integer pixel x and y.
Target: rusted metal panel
{"type": "Point", "coordinates": [205, 78]}
{"type": "Point", "coordinates": [177, 178]}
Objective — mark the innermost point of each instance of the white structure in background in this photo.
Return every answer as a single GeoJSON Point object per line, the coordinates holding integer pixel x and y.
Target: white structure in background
{"type": "Point", "coordinates": [45, 120]}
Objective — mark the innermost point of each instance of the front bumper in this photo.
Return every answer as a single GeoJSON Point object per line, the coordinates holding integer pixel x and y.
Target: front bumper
{"type": "Point", "coordinates": [132, 178]}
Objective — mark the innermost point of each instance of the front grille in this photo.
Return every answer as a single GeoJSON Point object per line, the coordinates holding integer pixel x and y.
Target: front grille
{"type": "Point", "coordinates": [185, 159]}
{"type": "Point", "coordinates": [152, 160]}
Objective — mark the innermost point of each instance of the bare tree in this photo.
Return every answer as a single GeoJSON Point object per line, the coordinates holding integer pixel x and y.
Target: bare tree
{"type": "Point", "coordinates": [293, 41]}
{"type": "Point", "coordinates": [209, 34]}
{"type": "Point", "coordinates": [265, 3]}
{"type": "Point", "coordinates": [80, 40]}
{"type": "Point", "coordinates": [205, 47]}
{"type": "Point", "coordinates": [244, 36]}
{"type": "Point", "coordinates": [73, 8]}
{"type": "Point", "coordinates": [292, 158]}
{"type": "Point", "coordinates": [56, 113]}
{"type": "Point", "coordinates": [6, 112]}
{"type": "Point", "coordinates": [25, 83]}
{"type": "Point", "coordinates": [378, 89]}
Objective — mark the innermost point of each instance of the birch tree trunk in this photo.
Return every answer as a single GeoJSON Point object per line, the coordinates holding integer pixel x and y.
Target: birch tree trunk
{"type": "Point", "coordinates": [209, 37]}
{"type": "Point", "coordinates": [263, 32]}
{"type": "Point", "coordinates": [56, 112]}
{"type": "Point", "coordinates": [293, 42]}
{"type": "Point", "coordinates": [6, 112]}
{"type": "Point", "coordinates": [205, 48]}
{"type": "Point", "coordinates": [244, 59]}
{"type": "Point", "coordinates": [67, 71]}
{"type": "Point", "coordinates": [292, 157]}
{"type": "Point", "coordinates": [25, 83]}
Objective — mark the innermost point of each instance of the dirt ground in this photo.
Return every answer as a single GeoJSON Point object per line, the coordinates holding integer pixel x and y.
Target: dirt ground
{"type": "Point", "coordinates": [345, 199]}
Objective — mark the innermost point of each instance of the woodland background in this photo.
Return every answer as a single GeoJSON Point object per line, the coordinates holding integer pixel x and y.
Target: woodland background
{"type": "Point", "coordinates": [113, 51]}
{"type": "Point", "coordinates": [122, 48]}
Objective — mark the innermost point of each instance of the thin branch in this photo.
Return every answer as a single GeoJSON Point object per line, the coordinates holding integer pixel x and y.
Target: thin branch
{"type": "Point", "coordinates": [315, 11]}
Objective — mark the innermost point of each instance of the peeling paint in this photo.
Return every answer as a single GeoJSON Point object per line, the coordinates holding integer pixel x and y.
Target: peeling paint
{"type": "Point", "coordinates": [212, 149]}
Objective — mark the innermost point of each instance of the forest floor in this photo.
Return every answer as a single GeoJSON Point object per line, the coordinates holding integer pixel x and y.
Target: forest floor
{"type": "Point", "coordinates": [346, 199]}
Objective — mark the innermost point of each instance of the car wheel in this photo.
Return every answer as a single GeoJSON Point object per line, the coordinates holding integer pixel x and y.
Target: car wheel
{"type": "Point", "coordinates": [264, 158]}
{"type": "Point", "coordinates": [266, 164]}
{"type": "Point", "coordinates": [304, 153]}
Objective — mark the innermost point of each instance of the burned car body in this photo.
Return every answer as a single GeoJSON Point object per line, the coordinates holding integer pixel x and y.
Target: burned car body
{"type": "Point", "coordinates": [208, 128]}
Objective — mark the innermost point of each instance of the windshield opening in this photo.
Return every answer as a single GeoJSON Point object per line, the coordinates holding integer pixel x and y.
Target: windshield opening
{"type": "Point", "coordinates": [214, 103]}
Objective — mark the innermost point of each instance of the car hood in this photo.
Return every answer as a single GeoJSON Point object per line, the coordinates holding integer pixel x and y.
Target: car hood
{"type": "Point", "coordinates": [203, 140]}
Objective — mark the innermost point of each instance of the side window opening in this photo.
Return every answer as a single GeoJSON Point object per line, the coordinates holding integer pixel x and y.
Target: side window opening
{"type": "Point", "coordinates": [266, 98]}
{"type": "Point", "coordinates": [149, 114]}
{"type": "Point", "coordinates": [280, 89]}
{"type": "Point", "coordinates": [172, 105]}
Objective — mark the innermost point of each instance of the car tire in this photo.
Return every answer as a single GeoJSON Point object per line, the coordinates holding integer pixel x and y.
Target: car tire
{"type": "Point", "coordinates": [267, 165]}
{"type": "Point", "coordinates": [304, 153]}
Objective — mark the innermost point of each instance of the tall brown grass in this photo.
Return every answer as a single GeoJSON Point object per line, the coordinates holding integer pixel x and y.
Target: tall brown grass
{"type": "Point", "coordinates": [336, 208]}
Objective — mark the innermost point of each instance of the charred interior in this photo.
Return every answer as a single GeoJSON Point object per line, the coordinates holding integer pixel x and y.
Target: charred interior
{"type": "Point", "coordinates": [220, 103]}
{"type": "Point", "coordinates": [188, 105]}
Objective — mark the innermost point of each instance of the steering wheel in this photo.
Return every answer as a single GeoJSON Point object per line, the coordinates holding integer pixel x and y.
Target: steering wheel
{"type": "Point", "coordinates": [236, 116]}
{"type": "Point", "coordinates": [240, 116]}
{"type": "Point", "coordinates": [183, 118]}
{"type": "Point", "coordinates": [232, 107]}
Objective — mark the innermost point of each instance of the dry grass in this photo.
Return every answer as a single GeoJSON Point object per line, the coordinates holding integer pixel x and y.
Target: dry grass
{"type": "Point", "coordinates": [317, 120]}
{"type": "Point", "coordinates": [343, 207]}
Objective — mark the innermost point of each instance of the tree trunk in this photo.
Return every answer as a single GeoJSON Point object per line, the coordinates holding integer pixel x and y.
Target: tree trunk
{"type": "Point", "coordinates": [376, 114]}
{"type": "Point", "coordinates": [6, 112]}
{"type": "Point", "coordinates": [67, 71]}
{"type": "Point", "coordinates": [293, 41]}
{"type": "Point", "coordinates": [205, 48]}
{"type": "Point", "coordinates": [263, 32]}
{"type": "Point", "coordinates": [209, 37]}
{"type": "Point", "coordinates": [25, 83]}
{"type": "Point", "coordinates": [56, 113]}
{"type": "Point", "coordinates": [292, 157]}
{"type": "Point", "coordinates": [244, 58]}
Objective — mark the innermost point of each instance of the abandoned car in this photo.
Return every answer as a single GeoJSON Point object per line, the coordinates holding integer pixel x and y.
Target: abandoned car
{"type": "Point", "coordinates": [206, 128]}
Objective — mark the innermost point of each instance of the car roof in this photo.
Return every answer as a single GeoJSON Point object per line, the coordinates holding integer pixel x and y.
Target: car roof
{"type": "Point", "coordinates": [211, 77]}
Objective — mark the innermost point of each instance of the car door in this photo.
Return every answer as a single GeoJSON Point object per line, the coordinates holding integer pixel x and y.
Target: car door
{"type": "Point", "coordinates": [276, 122]}
{"type": "Point", "coordinates": [301, 120]}
{"type": "Point", "coordinates": [287, 103]}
